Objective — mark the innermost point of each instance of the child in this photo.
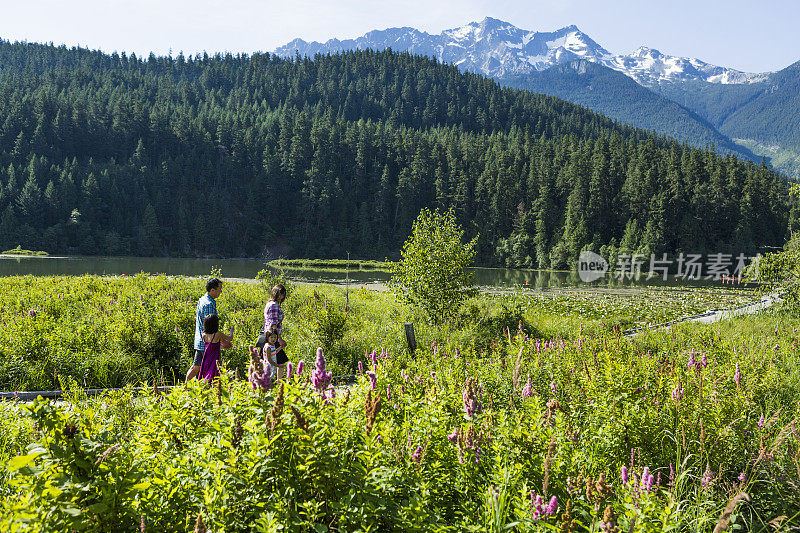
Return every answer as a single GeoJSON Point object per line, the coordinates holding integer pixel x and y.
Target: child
{"type": "Point", "coordinates": [212, 357]}
{"type": "Point", "coordinates": [274, 354]}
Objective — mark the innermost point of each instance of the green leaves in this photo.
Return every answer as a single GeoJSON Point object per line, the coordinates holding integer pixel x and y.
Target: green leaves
{"type": "Point", "coordinates": [432, 271]}
{"type": "Point", "coordinates": [20, 461]}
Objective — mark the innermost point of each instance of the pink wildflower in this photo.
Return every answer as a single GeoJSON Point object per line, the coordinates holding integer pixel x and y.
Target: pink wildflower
{"type": "Point", "coordinates": [707, 475]}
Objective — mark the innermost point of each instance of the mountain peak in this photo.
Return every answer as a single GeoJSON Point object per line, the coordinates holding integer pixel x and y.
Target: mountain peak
{"type": "Point", "coordinates": [498, 49]}
{"type": "Point", "coordinates": [646, 51]}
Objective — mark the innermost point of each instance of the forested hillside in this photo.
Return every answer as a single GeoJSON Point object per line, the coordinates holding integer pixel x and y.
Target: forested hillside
{"type": "Point", "coordinates": [616, 95]}
{"type": "Point", "coordinates": [238, 155]}
{"type": "Point", "coordinates": [764, 116]}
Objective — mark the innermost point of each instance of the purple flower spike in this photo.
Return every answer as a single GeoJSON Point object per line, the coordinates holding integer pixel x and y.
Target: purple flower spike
{"type": "Point", "coordinates": [742, 477]}
{"type": "Point", "coordinates": [299, 368]}
{"type": "Point", "coordinates": [761, 421]}
{"type": "Point", "coordinates": [360, 368]}
{"type": "Point", "coordinates": [706, 479]}
{"type": "Point", "coordinates": [526, 390]}
{"type": "Point", "coordinates": [552, 507]}
{"type": "Point", "coordinates": [677, 393]}
{"type": "Point", "coordinates": [319, 377]}
{"type": "Point", "coordinates": [737, 376]}
{"type": "Point", "coordinates": [453, 436]}
{"type": "Point", "coordinates": [373, 380]}
{"type": "Point", "coordinates": [417, 454]}
{"type": "Point", "coordinates": [624, 475]}
{"type": "Point", "coordinates": [289, 370]}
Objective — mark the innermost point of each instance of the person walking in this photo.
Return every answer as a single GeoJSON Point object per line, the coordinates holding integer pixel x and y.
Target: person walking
{"type": "Point", "coordinates": [273, 321]}
{"type": "Point", "coordinates": [206, 306]}
{"type": "Point", "coordinates": [213, 338]}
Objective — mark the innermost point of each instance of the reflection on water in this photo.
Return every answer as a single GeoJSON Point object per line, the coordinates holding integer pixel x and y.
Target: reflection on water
{"type": "Point", "coordinates": [247, 268]}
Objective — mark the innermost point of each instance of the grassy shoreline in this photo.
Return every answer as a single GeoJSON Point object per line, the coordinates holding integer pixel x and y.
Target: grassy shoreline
{"type": "Point", "coordinates": [330, 264]}
{"type": "Point", "coordinates": [19, 252]}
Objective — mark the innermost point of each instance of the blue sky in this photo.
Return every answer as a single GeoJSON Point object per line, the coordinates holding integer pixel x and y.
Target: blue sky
{"type": "Point", "coordinates": [753, 36]}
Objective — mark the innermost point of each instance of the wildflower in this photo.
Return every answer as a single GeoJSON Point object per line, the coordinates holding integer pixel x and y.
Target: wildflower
{"type": "Point", "coordinates": [624, 475]}
{"type": "Point", "coordinates": [742, 477]}
{"type": "Point", "coordinates": [542, 510]}
{"type": "Point", "coordinates": [372, 406]}
{"type": "Point", "coordinates": [360, 368]}
{"type": "Point", "coordinates": [648, 480]}
{"type": "Point", "coordinates": [552, 507]}
{"type": "Point", "coordinates": [453, 436]}
{"type": "Point", "coordinates": [299, 368]}
{"type": "Point", "coordinates": [373, 380]}
{"type": "Point", "coordinates": [737, 376]}
{"type": "Point", "coordinates": [671, 475]}
{"type": "Point", "coordinates": [761, 421]}
{"type": "Point", "coordinates": [609, 522]}
{"type": "Point", "coordinates": [645, 475]}
{"type": "Point", "coordinates": [388, 392]}
{"type": "Point", "coordinates": [536, 502]}
{"type": "Point", "coordinates": [691, 364]}
{"type": "Point", "coordinates": [470, 397]}
{"type": "Point", "coordinates": [526, 390]}
{"type": "Point", "coordinates": [553, 386]}
{"type": "Point", "coordinates": [677, 393]}
{"type": "Point", "coordinates": [706, 479]}
{"type": "Point", "coordinates": [32, 312]}
{"type": "Point", "coordinates": [289, 370]}
{"type": "Point", "coordinates": [299, 419]}
{"type": "Point", "coordinates": [258, 376]}
{"type": "Point", "coordinates": [417, 454]}
{"type": "Point", "coordinates": [319, 377]}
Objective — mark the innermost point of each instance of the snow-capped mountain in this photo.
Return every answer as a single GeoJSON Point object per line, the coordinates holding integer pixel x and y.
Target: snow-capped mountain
{"type": "Point", "coordinates": [499, 49]}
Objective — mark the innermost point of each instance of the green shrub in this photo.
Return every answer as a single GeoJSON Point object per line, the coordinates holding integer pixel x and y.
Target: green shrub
{"type": "Point", "coordinates": [432, 271]}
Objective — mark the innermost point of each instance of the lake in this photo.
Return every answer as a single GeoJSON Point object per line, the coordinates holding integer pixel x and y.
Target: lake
{"type": "Point", "coordinates": [247, 268]}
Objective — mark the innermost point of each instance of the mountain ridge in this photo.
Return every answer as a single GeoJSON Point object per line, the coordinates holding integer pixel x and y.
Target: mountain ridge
{"type": "Point", "coordinates": [497, 48]}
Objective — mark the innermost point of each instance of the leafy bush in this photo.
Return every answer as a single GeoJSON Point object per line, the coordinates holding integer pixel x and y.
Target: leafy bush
{"type": "Point", "coordinates": [431, 273]}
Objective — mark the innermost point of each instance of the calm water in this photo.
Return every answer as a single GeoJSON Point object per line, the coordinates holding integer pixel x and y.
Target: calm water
{"type": "Point", "coordinates": [247, 268]}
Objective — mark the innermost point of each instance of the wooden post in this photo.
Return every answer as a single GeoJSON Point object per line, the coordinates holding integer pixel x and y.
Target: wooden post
{"type": "Point", "coordinates": [410, 338]}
